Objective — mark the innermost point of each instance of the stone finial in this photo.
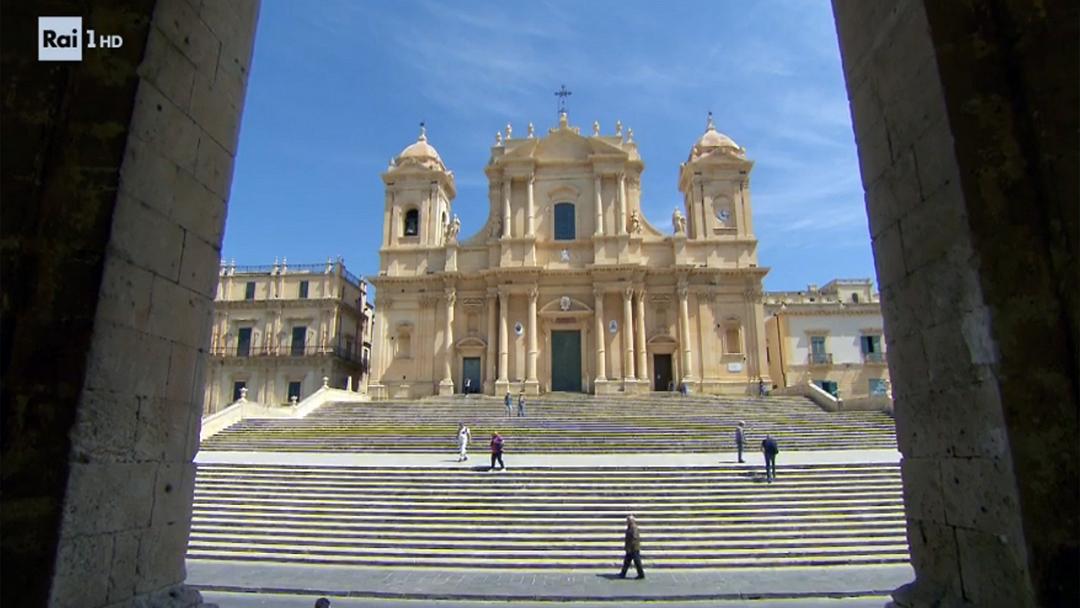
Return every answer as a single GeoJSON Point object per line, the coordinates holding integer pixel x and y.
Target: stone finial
{"type": "Point", "coordinates": [564, 120]}
{"type": "Point", "coordinates": [596, 128]}
{"type": "Point", "coordinates": [509, 131]}
{"type": "Point", "coordinates": [243, 394]}
{"type": "Point", "coordinates": [294, 400]}
{"type": "Point", "coordinates": [709, 125]}
{"type": "Point", "coordinates": [629, 136]}
{"type": "Point", "coordinates": [284, 264]}
{"type": "Point", "coordinates": [329, 265]}
{"type": "Point", "coordinates": [532, 131]}
{"type": "Point", "coordinates": [618, 128]}
{"type": "Point", "coordinates": [325, 382]}
{"type": "Point", "coordinates": [423, 133]}
{"type": "Point", "coordinates": [498, 139]}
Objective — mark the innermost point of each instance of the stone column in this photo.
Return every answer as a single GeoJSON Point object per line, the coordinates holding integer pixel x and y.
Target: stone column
{"type": "Point", "coordinates": [530, 360]}
{"type": "Point", "coordinates": [628, 334]}
{"type": "Point", "coordinates": [601, 356]}
{"type": "Point", "coordinates": [446, 385]}
{"type": "Point", "coordinates": [622, 203]}
{"type": "Point", "coordinates": [504, 348]}
{"type": "Point", "coordinates": [642, 363]}
{"type": "Point", "coordinates": [529, 207]}
{"type": "Point", "coordinates": [684, 321]}
{"type": "Point", "coordinates": [597, 186]}
{"type": "Point", "coordinates": [492, 342]}
{"type": "Point", "coordinates": [506, 207]}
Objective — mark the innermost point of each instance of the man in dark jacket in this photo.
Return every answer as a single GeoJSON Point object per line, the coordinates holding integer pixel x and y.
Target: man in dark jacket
{"type": "Point", "coordinates": [769, 447]}
{"type": "Point", "coordinates": [740, 438]}
{"type": "Point", "coordinates": [633, 548]}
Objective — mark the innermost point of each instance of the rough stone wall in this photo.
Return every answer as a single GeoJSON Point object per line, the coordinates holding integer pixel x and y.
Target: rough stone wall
{"type": "Point", "coordinates": [970, 192]}
{"type": "Point", "coordinates": [120, 208]}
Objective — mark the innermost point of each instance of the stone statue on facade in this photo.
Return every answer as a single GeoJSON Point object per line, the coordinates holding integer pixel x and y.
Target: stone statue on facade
{"type": "Point", "coordinates": [496, 228]}
{"type": "Point", "coordinates": [596, 128]}
{"type": "Point", "coordinates": [452, 229]}
{"type": "Point", "coordinates": [635, 222]}
{"type": "Point", "coordinates": [678, 222]}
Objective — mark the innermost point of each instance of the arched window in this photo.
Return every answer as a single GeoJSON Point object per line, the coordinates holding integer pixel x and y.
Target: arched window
{"type": "Point", "coordinates": [412, 223]}
{"type": "Point", "coordinates": [564, 222]}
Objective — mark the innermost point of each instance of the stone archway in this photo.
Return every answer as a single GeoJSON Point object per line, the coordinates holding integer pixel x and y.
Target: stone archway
{"type": "Point", "coordinates": [966, 126]}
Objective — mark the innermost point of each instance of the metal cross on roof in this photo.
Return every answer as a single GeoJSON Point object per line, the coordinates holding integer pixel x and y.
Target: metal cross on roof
{"type": "Point", "coordinates": [562, 94]}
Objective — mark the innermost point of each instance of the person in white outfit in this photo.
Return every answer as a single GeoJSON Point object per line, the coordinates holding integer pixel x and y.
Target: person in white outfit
{"type": "Point", "coordinates": [463, 437]}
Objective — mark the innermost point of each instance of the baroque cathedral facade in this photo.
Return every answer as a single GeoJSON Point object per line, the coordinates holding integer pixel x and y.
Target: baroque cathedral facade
{"type": "Point", "coordinates": [568, 286]}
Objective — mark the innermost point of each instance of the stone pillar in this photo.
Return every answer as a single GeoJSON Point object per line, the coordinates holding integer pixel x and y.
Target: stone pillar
{"type": "Point", "coordinates": [601, 355]}
{"type": "Point", "coordinates": [492, 343]}
{"type": "Point", "coordinates": [622, 203]}
{"type": "Point", "coordinates": [446, 385]}
{"type": "Point", "coordinates": [597, 188]}
{"type": "Point", "coordinates": [628, 334]}
{"type": "Point", "coordinates": [642, 363]}
{"type": "Point", "coordinates": [960, 113]}
{"type": "Point", "coordinates": [684, 326]}
{"type": "Point", "coordinates": [531, 383]}
{"type": "Point", "coordinates": [529, 207]}
{"type": "Point", "coordinates": [506, 207]}
{"type": "Point", "coordinates": [504, 347]}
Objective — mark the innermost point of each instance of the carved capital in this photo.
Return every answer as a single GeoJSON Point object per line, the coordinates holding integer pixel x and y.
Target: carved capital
{"type": "Point", "coordinates": [598, 293]}
{"type": "Point", "coordinates": [682, 290]}
{"type": "Point", "coordinates": [628, 293]}
{"type": "Point", "coordinates": [534, 293]}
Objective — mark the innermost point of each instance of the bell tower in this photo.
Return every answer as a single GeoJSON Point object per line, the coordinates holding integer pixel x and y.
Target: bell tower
{"type": "Point", "coordinates": [419, 191]}
{"type": "Point", "coordinates": [715, 183]}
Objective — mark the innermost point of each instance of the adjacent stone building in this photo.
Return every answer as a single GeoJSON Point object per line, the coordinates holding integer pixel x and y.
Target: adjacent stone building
{"type": "Point", "coordinates": [831, 336]}
{"type": "Point", "coordinates": [568, 286]}
{"type": "Point", "coordinates": [278, 330]}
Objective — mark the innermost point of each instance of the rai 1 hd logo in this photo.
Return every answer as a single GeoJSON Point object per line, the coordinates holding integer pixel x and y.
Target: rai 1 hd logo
{"type": "Point", "coordinates": [63, 39]}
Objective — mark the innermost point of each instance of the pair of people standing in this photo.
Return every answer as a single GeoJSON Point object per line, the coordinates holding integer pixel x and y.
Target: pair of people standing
{"type": "Point", "coordinates": [508, 401]}
{"type": "Point", "coordinates": [768, 447]}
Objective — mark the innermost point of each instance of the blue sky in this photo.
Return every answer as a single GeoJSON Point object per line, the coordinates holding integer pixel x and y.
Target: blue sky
{"type": "Point", "coordinates": [338, 88]}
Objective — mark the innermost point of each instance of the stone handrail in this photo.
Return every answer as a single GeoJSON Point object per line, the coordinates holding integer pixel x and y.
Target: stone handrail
{"type": "Point", "coordinates": [243, 409]}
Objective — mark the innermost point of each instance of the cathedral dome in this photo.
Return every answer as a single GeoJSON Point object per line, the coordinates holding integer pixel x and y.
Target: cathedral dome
{"type": "Point", "coordinates": [713, 141]}
{"type": "Point", "coordinates": [421, 153]}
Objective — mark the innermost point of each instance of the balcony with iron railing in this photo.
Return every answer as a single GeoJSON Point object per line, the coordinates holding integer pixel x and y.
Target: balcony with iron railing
{"type": "Point", "coordinates": [874, 358]}
{"type": "Point", "coordinates": [820, 359]}
{"type": "Point", "coordinates": [288, 350]}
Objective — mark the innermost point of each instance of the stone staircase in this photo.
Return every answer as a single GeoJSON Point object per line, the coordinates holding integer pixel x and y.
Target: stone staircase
{"type": "Point", "coordinates": [721, 516]}
{"type": "Point", "coordinates": [561, 423]}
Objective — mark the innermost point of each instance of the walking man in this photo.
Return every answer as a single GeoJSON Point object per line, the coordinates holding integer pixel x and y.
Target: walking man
{"type": "Point", "coordinates": [769, 447]}
{"type": "Point", "coordinates": [521, 404]}
{"type": "Point", "coordinates": [468, 387]}
{"type": "Point", "coordinates": [740, 438]}
{"type": "Point", "coordinates": [508, 402]}
{"type": "Point", "coordinates": [463, 437]}
{"type": "Point", "coordinates": [496, 452]}
{"type": "Point", "coordinates": [633, 549]}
